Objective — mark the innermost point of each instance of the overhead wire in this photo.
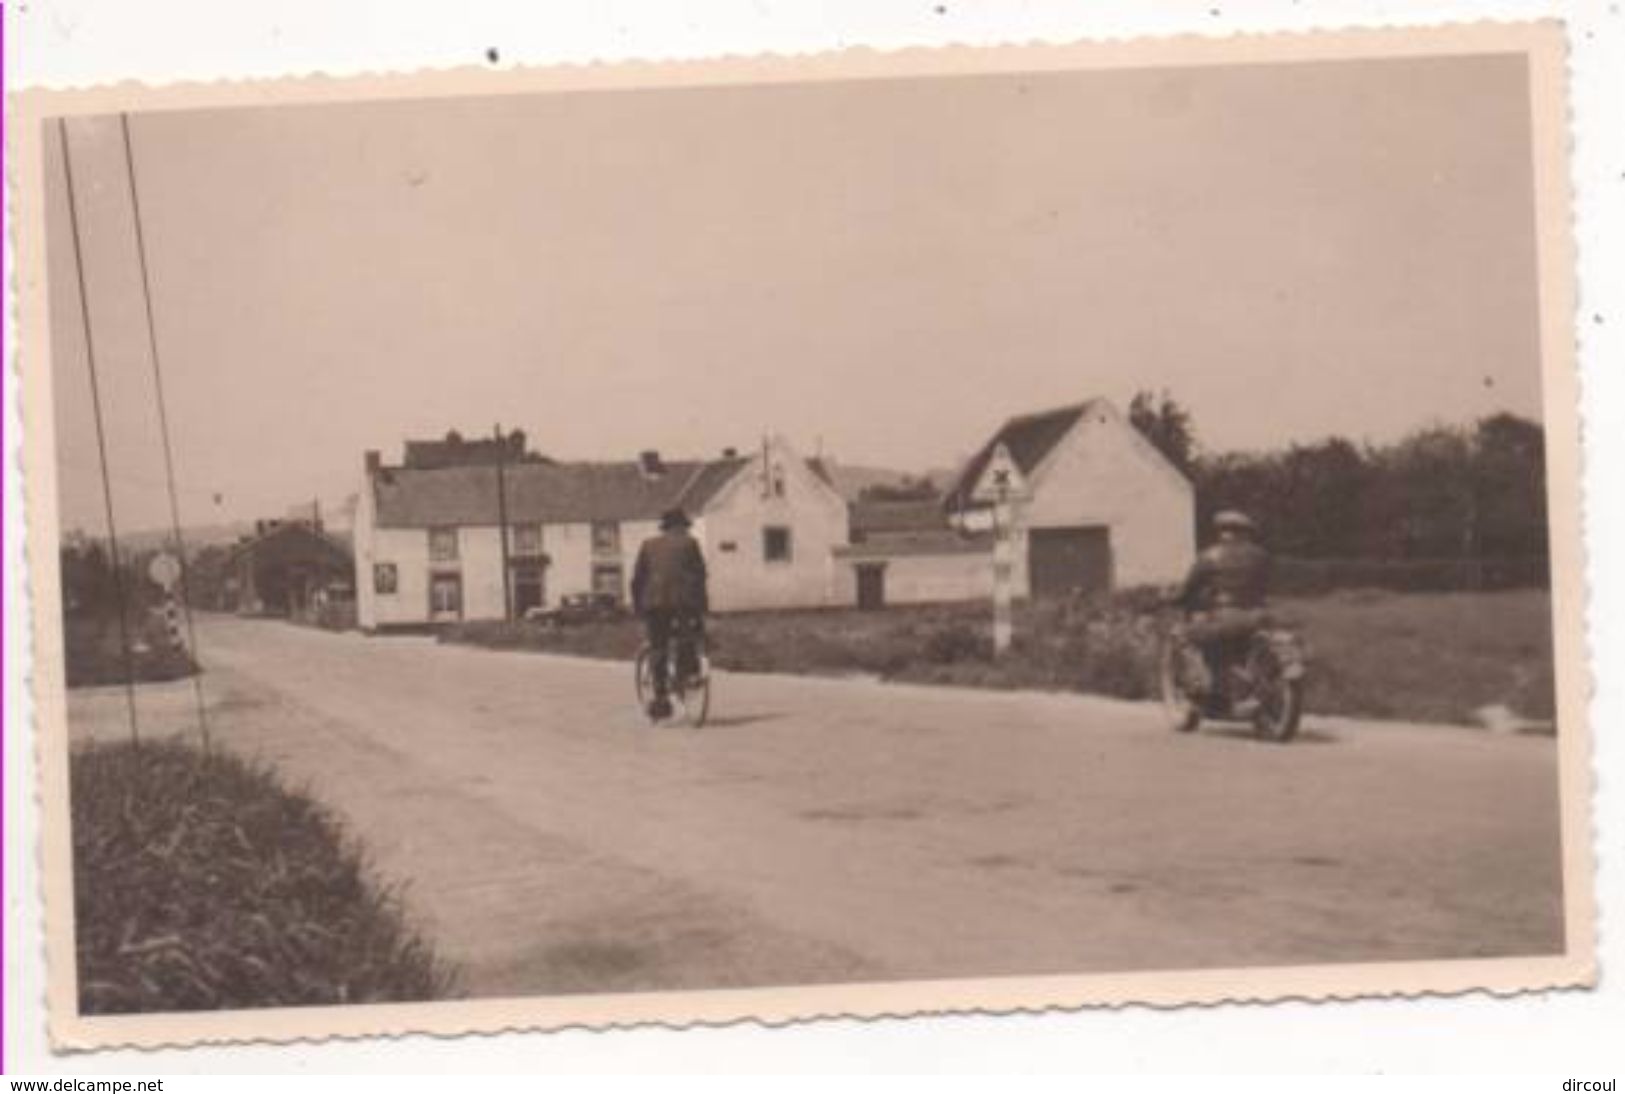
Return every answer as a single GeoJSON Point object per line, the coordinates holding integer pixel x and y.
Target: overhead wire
{"type": "Point", "coordinates": [163, 429]}
{"type": "Point", "coordinates": [101, 431]}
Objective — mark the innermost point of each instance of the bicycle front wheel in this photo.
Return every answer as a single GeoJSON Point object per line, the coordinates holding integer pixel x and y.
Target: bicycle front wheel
{"type": "Point", "coordinates": [697, 699]}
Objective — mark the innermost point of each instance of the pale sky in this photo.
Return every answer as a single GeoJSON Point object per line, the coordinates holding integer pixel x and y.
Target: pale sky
{"type": "Point", "coordinates": [888, 268]}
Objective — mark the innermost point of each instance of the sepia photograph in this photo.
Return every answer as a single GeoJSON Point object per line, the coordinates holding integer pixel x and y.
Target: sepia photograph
{"type": "Point", "coordinates": [990, 528]}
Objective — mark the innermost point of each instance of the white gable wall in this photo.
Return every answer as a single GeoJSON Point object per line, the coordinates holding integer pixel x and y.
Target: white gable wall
{"type": "Point", "coordinates": [366, 606]}
{"type": "Point", "coordinates": [1104, 473]}
{"type": "Point", "coordinates": [742, 578]}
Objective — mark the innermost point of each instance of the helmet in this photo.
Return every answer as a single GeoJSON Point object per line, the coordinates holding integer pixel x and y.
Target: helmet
{"type": "Point", "coordinates": [674, 518]}
{"type": "Point", "coordinates": [1234, 520]}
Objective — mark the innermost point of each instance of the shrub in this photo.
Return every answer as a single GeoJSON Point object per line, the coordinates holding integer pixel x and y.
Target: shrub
{"type": "Point", "coordinates": [200, 883]}
{"type": "Point", "coordinates": [957, 642]}
{"type": "Point", "coordinates": [95, 655]}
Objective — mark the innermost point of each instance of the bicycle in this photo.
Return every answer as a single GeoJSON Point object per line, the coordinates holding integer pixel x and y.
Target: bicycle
{"type": "Point", "coordinates": [690, 693]}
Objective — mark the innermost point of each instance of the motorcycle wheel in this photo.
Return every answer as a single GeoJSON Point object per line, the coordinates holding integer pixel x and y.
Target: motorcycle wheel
{"type": "Point", "coordinates": [1279, 714]}
{"type": "Point", "coordinates": [1183, 716]}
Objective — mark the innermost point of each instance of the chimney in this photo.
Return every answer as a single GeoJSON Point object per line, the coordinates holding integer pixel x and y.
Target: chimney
{"type": "Point", "coordinates": [649, 463]}
{"type": "Point", "coordinates": [730, 453]}
{"type": "Point", "coordinates": [374, 461]}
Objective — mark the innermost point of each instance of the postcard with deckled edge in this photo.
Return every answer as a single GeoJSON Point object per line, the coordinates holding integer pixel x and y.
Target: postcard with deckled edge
{"type": "Point", "coordinates": [869, 534]}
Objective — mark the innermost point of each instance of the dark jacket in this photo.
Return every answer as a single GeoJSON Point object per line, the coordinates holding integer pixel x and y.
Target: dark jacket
{"type": "Point", "coordinates": [1227, 575]}
{"type": "Point", "coordinates": [670, 575]}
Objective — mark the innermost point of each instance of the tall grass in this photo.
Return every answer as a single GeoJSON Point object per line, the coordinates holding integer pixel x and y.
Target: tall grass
{"type": "Point", "coordinates": [94, 651]}
{"type": "Point", "coordinates": [200, 883]}
{"type": "Point", "coordinates": [1435, 657]}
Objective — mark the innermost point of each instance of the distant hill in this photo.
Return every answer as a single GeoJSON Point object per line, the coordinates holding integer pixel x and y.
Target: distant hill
{"type": "Point", "coordinates": [196, 536]}
{"type": "Point", "coordinates": [851, 480]}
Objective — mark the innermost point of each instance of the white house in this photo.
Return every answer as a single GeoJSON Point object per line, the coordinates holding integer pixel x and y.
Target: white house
{"type": "Point", "coordinates": [1094, 506]}
{"type": "Point", "coordinates": [428, 532]}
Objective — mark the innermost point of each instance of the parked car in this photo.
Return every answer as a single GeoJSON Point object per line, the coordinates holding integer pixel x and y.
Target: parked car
{"type": "Point", "coordinates": [574, 608]}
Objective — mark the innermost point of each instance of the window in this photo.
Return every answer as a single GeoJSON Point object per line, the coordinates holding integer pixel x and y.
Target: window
{"type": "Point", "coordinates": [528, 589]}
{"type": "Point", "coordinates": [527, 540]}
{"type": "Point", "coordinates": [446, 595]}
{"type": "Point", "coordinates": [606, 537]}
{"type": "Point", "coordinates": [442, 545]}
{"type": "Point", "coordinates": [606, 580]}
{"type": "Point", "coordinates": [385, 578]}
{"type": "Point", "coordinates": [775, 543]}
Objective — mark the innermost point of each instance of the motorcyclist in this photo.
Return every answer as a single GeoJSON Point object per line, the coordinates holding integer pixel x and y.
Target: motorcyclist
{"type": "Point", "coordinates": [1224, 595]}
{"type": "Point", "coordinates": [669, 592]}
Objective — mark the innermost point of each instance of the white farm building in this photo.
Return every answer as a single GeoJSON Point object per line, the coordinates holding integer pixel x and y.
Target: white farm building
{"type": "Point", "coordinates": [429, 548]}
{"type": "Point", "coordinates": [1095, 507]}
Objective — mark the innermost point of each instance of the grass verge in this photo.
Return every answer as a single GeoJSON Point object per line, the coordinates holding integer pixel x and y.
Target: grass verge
{"type": "Point", "coordinates": [1434, 657]}
{"type": "Point", "coordinates": [200, 883]}
{"type": "Point", "coordinates": [95, 657]}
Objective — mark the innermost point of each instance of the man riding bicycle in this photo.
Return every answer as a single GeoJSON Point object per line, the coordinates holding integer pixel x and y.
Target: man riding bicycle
{"type": "Point", "coordinates": [1224, 595]}
{"type": "Point", "coordinates": [669, 592]}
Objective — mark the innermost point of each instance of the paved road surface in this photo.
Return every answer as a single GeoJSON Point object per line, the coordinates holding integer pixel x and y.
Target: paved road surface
{"type": "Point", "coordinates": [821, 830]}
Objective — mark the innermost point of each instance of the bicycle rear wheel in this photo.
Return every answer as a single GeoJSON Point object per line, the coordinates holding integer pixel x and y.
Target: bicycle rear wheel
{"type": "Point", "coordinates": [643, 680]}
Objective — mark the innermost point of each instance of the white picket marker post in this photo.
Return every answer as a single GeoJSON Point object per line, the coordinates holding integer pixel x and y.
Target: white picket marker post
{"type": "Point", "coordinates": [1002, 484]}
{"type": "Point", "coordinates": [1003, 557]}
{"type": "Point", "coordinates": [165, 570]}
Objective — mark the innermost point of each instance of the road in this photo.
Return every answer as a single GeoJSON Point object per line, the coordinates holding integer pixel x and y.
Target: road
{"type": "Point", "coordinates": [549, 840]}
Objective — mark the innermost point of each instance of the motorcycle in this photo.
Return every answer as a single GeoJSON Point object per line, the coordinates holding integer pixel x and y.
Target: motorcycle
{"type": "Point", "coordinates": [1262, 681]}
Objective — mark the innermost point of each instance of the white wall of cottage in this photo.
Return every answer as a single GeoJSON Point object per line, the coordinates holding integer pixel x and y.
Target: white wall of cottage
{"type": "Point", "coordinates": [571, 560]}
{"type": "Point", "coordinates": [923, 579]}
{"type": "Point", "coordinates": [1103, 473]}
{"type": "Point", "coordinates": [742, 578]}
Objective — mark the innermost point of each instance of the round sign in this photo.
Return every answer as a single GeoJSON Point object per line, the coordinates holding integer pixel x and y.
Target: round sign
{"type": "Point", "coordinates": [165, 569]}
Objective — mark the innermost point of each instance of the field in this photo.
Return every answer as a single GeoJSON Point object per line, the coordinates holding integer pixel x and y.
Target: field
{"type": "Point", "coordinates": [201, 883]}
{"type": "Point", "coordinates": [1432, 657]}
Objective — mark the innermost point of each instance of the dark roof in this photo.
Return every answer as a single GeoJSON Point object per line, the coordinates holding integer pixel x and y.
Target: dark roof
{"type": "Point", "coordinates": [321, 541]}
{"type": "Point", "coordinates": [946, 542]}
{"type": "Point", "coordinates": [884, 518]}
{"type": "Point", "coordinates": [545, 493]}
{"type": "Point", "coordinates": [818, 467]}
{"type": "Point", "coordinates": [1029, 437]}
{"type": "Point", "coordinates": [455, 450]}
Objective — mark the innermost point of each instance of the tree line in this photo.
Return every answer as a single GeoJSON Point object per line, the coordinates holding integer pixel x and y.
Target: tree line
{"type": "Point", "coordinates": [1473, 494]}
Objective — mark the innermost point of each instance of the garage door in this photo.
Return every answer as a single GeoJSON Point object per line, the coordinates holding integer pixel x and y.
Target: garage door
{"type": "Point", "coordinates": [1062, 561]}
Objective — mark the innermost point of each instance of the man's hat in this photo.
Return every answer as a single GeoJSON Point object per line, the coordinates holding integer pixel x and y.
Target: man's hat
{"type": "Point", "coordinates": [674, 518]}
{"type": "Point", "coordinates": [1235, 520]}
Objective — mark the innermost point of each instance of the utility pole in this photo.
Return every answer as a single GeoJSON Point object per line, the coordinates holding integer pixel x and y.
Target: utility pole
{"type": "Point", "coordinates": [502, 523]}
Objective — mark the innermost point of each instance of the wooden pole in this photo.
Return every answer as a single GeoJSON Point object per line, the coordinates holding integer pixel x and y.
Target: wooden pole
{"type": "Point", "coordinates": [1003, 557]}
{"type": "Point", "coordinates": [163, 429]}
{"type": "Point", "coordinates": [502, 524]}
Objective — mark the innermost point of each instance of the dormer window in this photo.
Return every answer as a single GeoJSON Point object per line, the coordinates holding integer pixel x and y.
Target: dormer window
{"type": "Point", "coordinates": [606, 537]}
{"type": "Point", "coordinates": [443, 544]}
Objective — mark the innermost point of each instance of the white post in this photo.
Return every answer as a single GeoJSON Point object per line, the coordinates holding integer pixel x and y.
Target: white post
{"type": "Point", "coordinates": [172, 621]}
{"type": "Point", "coordinates": [1003, 556]}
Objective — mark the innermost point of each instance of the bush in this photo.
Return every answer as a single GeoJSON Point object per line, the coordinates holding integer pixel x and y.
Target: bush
{"type": "Point", "coordinates": [200, 883]}
{"type": "Point", "coordinates": [958, 642]}
{"type": "Point", "coordinates": [95, 655]}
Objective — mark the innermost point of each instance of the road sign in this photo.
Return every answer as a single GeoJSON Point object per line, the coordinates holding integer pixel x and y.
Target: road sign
{"type": "Point", "coordinates": [165, 569]}
{"type": "Point", "coordinates": [1001, 479]}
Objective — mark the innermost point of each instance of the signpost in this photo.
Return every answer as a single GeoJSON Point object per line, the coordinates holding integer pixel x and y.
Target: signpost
{"type": "Point", "coordinates": [1002, 484]}
{"type": "Point", "coordinates": [165, 571]}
